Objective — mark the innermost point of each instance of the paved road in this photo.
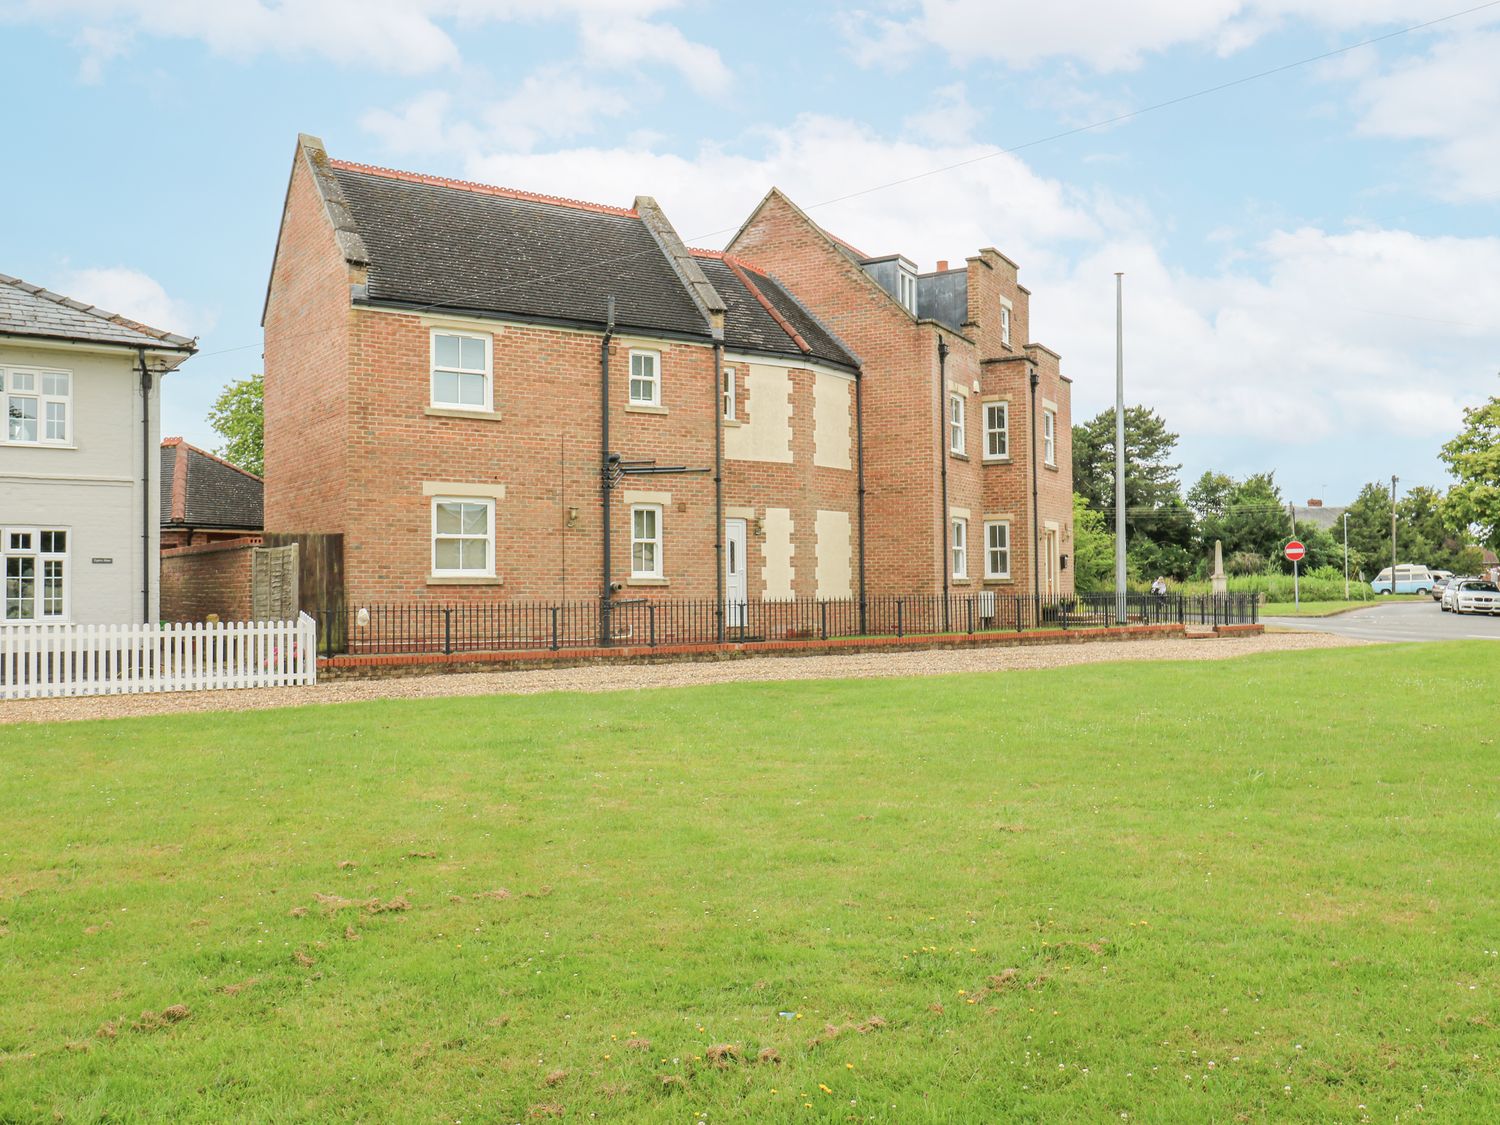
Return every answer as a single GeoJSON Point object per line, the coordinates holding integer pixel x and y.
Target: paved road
{"type": "Point", "coordinates": [1399, 622]}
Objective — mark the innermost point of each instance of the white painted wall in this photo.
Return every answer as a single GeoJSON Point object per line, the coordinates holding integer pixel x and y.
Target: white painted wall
{"type": "Point", "coordinates": [833, 430]}
{"type": "Point", "coordinates": [834, 572]}
{"type": "Point", "coordinates": [92, 489]}
{"type": "Point", "coordinates": [767, 433]}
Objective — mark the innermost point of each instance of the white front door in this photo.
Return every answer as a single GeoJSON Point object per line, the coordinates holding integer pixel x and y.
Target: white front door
{"type": "Point", "coordinates": [735, 588]}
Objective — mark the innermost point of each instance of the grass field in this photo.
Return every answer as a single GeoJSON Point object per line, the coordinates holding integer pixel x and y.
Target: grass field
{"type": "Point", "coordinates": [1254, 890]}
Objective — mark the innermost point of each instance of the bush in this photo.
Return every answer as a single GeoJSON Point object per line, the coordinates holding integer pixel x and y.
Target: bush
{"type": "Point", "coordinates": [1325, 584]}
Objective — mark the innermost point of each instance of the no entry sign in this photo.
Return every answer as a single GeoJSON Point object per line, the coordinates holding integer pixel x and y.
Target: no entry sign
{"type": "Point", "coordinates": [1295, 551]}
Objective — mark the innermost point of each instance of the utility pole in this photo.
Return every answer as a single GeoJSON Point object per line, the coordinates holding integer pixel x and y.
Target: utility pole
{"type": "Point", "coordinates": [1120, 607]}
{"type": "Point", "coordinates": [1346, 556]}
{"type": "Point", "coordinates": [1393, 534]}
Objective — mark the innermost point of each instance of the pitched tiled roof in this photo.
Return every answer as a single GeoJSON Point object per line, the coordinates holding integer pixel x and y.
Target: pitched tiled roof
{"type": "Point", "coordinates": [453, 245]}
{"type": "Point", "coordinates": [30, 310]}
{"type": "Point", "coordinates": [762, 316]}
{"type": "Point", "coordinates": [201, 490]}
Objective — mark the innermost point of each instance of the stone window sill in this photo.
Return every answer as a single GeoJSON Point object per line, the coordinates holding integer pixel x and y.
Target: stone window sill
{"type": "Point", "coordinates": [474, 415]}
{"type": "Point", "coordinates": [733, 422]}
{"type": "Point", "coordinates": [464, 580]}
{"type": "Point", "coordinates": [648, 582]}
{"type": "Point", "coordinates": [1051, 465]}
{"type": "Point", "coordinates": [999, 581]}
{"type": "Point", "coordinates": [997, 460]}
{"type": "Point", "coordinates": [641, 408]}
{"type": "Point", "coordinates": [958, 456]}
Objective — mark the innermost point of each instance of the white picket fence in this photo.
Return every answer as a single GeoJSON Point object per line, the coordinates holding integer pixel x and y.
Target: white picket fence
{"type": "Point", "coordinates": [41, 661]}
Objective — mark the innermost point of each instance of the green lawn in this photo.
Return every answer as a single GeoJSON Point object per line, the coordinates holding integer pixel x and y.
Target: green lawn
{"type": "Point", "coordinates": [1263, 889]}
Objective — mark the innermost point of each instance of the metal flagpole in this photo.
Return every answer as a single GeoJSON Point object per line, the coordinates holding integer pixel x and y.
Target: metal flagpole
{"type": "Point", "coordinates": [1120, 614]}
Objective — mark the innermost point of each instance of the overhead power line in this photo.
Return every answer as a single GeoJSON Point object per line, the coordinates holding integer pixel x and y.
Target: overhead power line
{"type": "Point", "coordinates": [942, 169]}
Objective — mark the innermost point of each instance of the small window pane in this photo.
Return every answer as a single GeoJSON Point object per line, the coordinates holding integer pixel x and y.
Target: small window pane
{"type": "Point", "coordinates": [23, 380]}
{"type": "Point", "coordinates": [447, 351]}
{"type": "Point", "coordinates": [445, 387]}
{"type": "Point", "coordinates": [471, 352]}
{"type": "Point", "coordinates": [475, 519]}
{"type": "Point", "coordinates": [20, 541]}
{"type": "Point", "coordinates": [57, 421]}
{"type": "Point", "coordinates": [20, 589]}
{"type": "Point", "coordinates": [474, 553]}
{"type": "Point", "coordinates": [52, 588]}
{"type": "Point", "coordinates": [55, 383]}
{"type": "Point", "coordinates": [54, 542]}
{"type": "Point", "coordinates": [22, 419]}
{"type": "Point", "coordinates": [449, 519]}
{"type": "Point", "coordinates": [447, 555]}
{"type": "Point", "coordinates": [470, 389]}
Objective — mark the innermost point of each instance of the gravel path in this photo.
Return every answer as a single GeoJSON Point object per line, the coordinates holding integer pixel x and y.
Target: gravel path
{"type": "Point", "coordinates": [629, 677]}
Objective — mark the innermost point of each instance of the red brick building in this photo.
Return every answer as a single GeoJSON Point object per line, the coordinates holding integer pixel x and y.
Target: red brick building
{"type": "Point", "coordinates": [496, 396]}
{"type": "Point", "coordinates": [956, 402]}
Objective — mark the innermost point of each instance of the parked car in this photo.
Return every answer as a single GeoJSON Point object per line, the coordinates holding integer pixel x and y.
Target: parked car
{"type": "Point", "coordinates": [1409, 579]}
{"type": "Point", "coordinates": [1440, 580]}
{"type": "Point", "coordinates": [1475, 595]}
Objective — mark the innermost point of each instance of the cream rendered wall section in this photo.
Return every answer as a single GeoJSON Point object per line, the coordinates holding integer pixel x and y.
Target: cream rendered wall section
{"type": "Point", "coordinates": [767, 435]}
{"type": "Point", "coordinates": [833, 434]}
{"type": "Point", "coordinates": [834, 576]}
{"type": "Point", "coordinates": [93, 491]}
{"type": "Point", "coordinates": [779, 568]}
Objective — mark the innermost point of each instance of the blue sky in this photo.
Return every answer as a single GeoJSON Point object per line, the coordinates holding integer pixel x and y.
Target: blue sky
{"type": "Point", "coordinates": [1312, 260]}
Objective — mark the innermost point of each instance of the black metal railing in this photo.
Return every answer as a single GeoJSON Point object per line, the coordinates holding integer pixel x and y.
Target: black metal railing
{"type": "Point", "coordinates": [431, 627]}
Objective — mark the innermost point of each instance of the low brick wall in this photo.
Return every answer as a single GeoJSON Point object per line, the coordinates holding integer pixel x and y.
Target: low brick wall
{"type": "Point", "coordinates": [416, 664]}
{"type": "Point", "coordinates": [207, 578]}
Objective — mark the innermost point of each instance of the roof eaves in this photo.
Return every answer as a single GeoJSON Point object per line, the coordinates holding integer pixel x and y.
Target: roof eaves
{"type": "Point", "coordinates": [171, 339]}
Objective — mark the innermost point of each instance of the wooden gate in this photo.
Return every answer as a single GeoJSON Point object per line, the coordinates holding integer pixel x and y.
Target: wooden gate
{"type": "Point", "coordinates": [320, 580]}
{"type": "Point", "coordinates": [274, 583]}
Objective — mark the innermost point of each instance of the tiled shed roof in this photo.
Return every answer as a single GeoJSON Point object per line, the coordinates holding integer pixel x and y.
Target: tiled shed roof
{"type": "Point", "coordinates": [30, 310]}
{"type": "Point", "coordinates": [201, 490]}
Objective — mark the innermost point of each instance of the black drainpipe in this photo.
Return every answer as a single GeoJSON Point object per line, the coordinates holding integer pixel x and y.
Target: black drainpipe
{"type": "Point", "coordinates": [719, 483]}
{"type": "Point", "coordinates": [859, 462]}
{"type": "Point", "coordinates": [1036, 529]}
{"type": "Point", "coordinates": [145, 488]}
{"type": "Point", "coordinates": [944, 530]}
{"type": "Point", "coordinates": [607, 586]}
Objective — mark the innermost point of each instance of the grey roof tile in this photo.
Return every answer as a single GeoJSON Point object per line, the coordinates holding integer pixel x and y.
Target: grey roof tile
{"type": "Point", "coordinates": [216, 494]}
{"type": "Point", "coordinates": [30, 310]}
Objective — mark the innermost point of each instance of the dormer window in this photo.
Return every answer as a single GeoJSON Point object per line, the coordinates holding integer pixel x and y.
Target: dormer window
{"type": "Point", "coordinates": [907, 293]}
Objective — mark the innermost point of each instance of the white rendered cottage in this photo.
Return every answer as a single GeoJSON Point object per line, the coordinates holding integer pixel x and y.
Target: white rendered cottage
{"type": "Point", "coordinates": [80, 391]}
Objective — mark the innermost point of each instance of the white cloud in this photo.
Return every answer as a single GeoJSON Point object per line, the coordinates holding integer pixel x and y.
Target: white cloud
{"type": "Point", "coordinates": [133, 294]}
{"type": "Point", "coordinates": [1449, 98]}
{"type": "Point", "coordinates": [1105, 37]}
{"type": "Point", "coordinates": [399, 36]}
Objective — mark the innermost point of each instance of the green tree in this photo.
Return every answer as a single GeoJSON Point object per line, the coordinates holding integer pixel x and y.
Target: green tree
{"type": "Point", "coordinates": [1150, 476]}
{"type": "Point", "coordinates": [1473, 456]}
{"type": "Point", "coordinates": [238, 415]}
{"type": "Point", "coordinates": [1248, 516]}
{"type": "Point", "coordinates": [1093, 549]}
{"type": "Point", "coordinates": [1370, 529]}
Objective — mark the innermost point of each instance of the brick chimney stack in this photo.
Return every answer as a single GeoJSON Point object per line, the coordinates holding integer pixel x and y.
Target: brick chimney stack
{"type": "Point", "coordinates": [942, 265]}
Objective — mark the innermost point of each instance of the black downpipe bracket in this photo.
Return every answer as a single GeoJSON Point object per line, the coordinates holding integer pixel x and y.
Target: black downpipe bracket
{"type": "Point", "coordinates": [146, 488]}
{"type": "Point", "coordinates": [606, 592]}
{"type": "Point", "coordinates": [719, 484]}
{"type": "Point", "coordinates": [859, 462]}
{"type": "Point", "coordinates": [1036, 528]}
{"type": "Point", "coordinates": [944, 527]}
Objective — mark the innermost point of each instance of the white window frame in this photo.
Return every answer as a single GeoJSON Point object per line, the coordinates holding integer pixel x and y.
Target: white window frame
{"type": "Point", "coordinates": [488, 570]}
{"type": "Point", "coordinates": [907, 286]}
{"type": "Point", "coordinates": [1002, 430]}
{"type": "Point", "coordinates": [991, 571]}
{"type": "Point", "coordinates": [655, 541]}
{"type": "Point", "coordinates": [1005, 318]}
{"type": "Point", "coordinates": [1049, 437]}
{"type": "Point", "coordinates": [955, 423]}
{"type": "Point", "coordinates": [40, 559]}
{"type": "Point", "coordinates": [654, 379]}
{"type": "Point", "coordinates": [959, 544]}
{"type": "Point", "coordinates": [731, 395]}
{"type": "Point", "coordinates": [38, 394]}
{"type": "Point", "coordinates": [486, 404]}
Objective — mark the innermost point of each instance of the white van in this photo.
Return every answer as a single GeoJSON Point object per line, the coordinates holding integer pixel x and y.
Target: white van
{"type": "Point", "coordinates": [1409, 579]}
